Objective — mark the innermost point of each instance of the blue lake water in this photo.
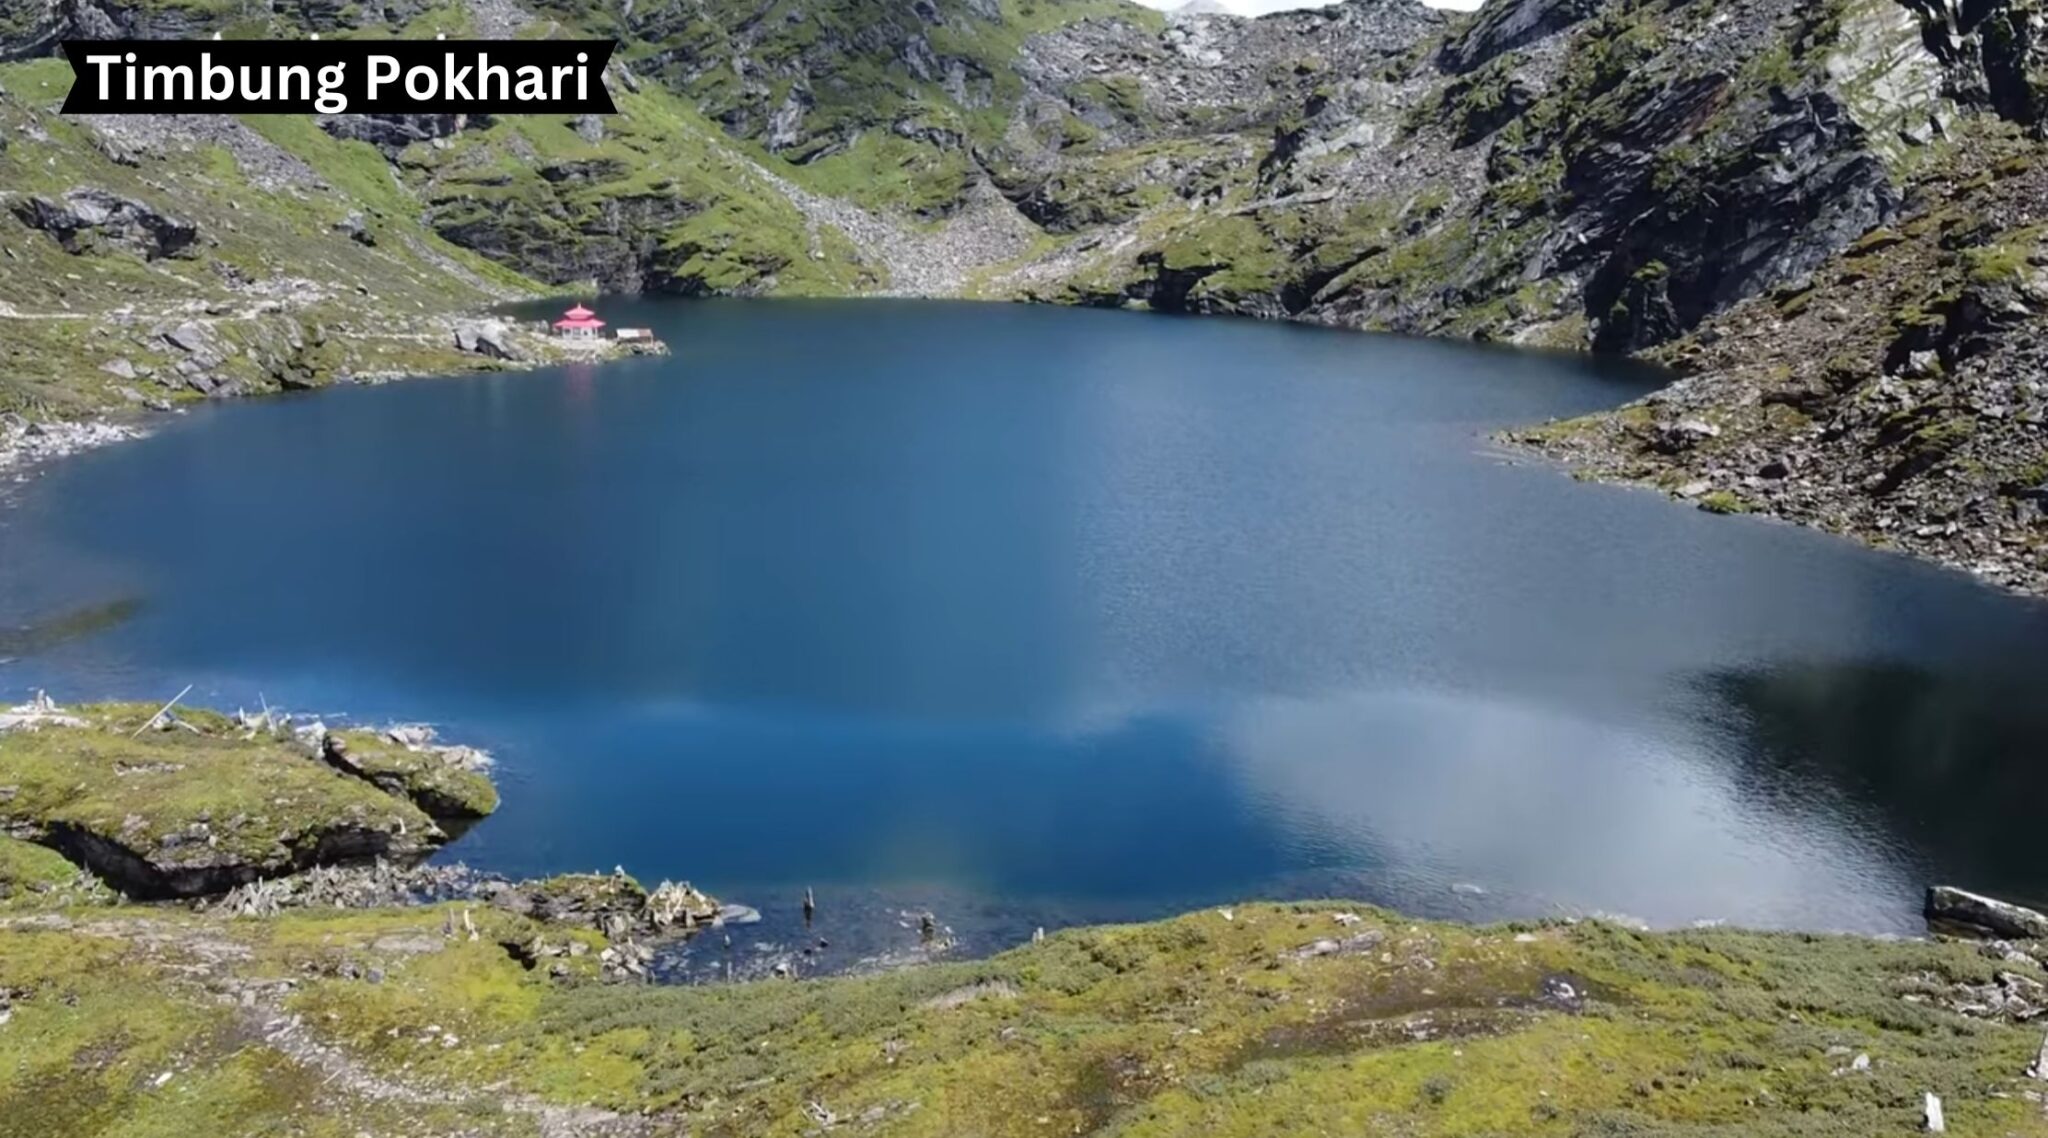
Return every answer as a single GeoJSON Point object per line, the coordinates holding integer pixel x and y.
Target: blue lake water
{"type": "Point", "coordinates": [1036, 615]}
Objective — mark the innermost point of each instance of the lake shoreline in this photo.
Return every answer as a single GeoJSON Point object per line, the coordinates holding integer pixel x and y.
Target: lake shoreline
{"type": "Point", "coordinates": [291, 993]}
{"type": "Point", "coordinates": [1595, 462]}
{"type": "Point", "coordinates": [476, 342]}
{"type": "Point", "coordinates": [1588, 448]}
{"type": "Point", "coordinates": [171, 774]}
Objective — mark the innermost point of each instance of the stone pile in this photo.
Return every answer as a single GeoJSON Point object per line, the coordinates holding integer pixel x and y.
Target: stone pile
{"type": "Point", "coordinates": [373, 886]}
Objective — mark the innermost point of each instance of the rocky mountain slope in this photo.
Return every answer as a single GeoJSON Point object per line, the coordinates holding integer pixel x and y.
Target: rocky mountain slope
{"type": "Point", "coordinates": [1620, 175]}
{"type": "Point", "coordinates": [1899, 394]}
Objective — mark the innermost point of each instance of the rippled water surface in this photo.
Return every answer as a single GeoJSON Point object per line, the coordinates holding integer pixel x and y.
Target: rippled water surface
{"type": "Point", "coordinates": [1037, 615]}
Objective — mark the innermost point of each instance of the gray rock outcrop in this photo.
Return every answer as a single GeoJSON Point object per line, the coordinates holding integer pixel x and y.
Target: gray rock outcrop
{"type": "Point", "coordinates": [86, 219]}
{"type": "Point", "coordinates": [1956, 906]}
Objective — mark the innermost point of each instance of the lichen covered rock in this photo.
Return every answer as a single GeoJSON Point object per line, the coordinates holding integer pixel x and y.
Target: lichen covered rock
{"type": "Point", "coordinates": [449, 783]}
{"type": "Point", "coordinates": [612, 903]}
{"type": "Point", "coordinates": [189, 807]}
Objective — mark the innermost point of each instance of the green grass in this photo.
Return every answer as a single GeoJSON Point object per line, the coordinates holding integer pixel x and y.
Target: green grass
{"type": "Point", "coordinates": [1198, 1025]}
{"type": "Point", "coordinates": [32, 877]}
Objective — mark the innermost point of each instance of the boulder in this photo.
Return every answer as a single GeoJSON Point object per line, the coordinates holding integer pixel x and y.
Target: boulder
{"type": "Point", "coordinates": [1683, 435]}
{"type": "Point", "coordinates": [195, 338]}
{"type": "Point", "coordinates": [488, 338]}
{"type": "Point", "coordinates": [356, 229]}
{"type": "Point", "coordinates": [1947, 904]}
{"type": "Point", "coordinates": [87, 219]}
{"type": "Point", "coordinates": [672, 904]}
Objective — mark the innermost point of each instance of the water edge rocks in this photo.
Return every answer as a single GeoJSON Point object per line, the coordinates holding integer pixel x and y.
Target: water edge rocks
{"type": "Point", "coordinates": [188, 804]}
{"type": "Point", "coordinates": [1956, 906]}
{"type": "Point", "coordinates": [449, 783]}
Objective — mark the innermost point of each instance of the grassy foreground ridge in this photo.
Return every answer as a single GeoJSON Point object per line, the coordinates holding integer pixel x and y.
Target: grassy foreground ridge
{"type": "Point", "coordinates": [499, 1017]}
{"type": "Point", "coordinates": [1276, 1020]}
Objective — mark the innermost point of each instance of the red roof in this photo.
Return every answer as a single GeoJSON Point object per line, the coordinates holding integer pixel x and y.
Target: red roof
{"type": "Point", "coordinates": [579, 313]}
{"type": "Point", "coordinates": [587, 322]}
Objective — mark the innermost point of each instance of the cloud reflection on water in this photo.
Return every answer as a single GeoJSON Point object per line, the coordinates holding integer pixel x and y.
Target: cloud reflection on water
{"type": "Point", "coordinates": [1546, 808]}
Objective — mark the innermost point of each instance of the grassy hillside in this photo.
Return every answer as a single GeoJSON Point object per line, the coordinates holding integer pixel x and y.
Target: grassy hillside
{"type": "Point", "coordinates": [285, 296]}
{"type": "Point", "coordinates": [882, 103]}
{"type": "Point", "coordinates": [1265, 1019]}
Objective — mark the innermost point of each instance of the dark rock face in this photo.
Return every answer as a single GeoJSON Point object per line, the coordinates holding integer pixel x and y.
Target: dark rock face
{"type": "Point", "coordinates": [168, 872]}
{"type": "Point", "coordinates": [1774, 214]}
{"type": "Point", "coordinates": [2015, 53]}
{"type": "Point", "coordinates": [31, 28]}
{"type": "Point", "coordinates": [1504, 25]}
{"type": "Point", "coordinates": [88, 218]}
{"type": "Point", "coordinates": [1893, 395]}
{"type": "Point", "coordinates": [615, 244]}
{"type": "Point", "coordinates": [1995, 53]}
{"type": "Point", "coordinates": [393, 133]}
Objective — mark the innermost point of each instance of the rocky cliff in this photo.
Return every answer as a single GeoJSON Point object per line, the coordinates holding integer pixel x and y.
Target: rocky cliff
{"type": "Point", "coordinates": [1643, 176]}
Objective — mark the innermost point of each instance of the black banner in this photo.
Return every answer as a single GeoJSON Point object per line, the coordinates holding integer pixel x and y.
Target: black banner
{"type": "Point", "coordinates": [136, 77]}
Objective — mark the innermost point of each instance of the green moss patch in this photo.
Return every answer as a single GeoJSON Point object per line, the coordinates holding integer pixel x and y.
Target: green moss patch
{"type": "Point", "coordinates": [183, 811]}
{"type": "Point", "coordinates": [427, 778]}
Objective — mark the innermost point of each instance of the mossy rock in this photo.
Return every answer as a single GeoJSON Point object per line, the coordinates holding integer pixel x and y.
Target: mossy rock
{"type": "Point", "coordinates": [597, 900]}
{"type": "Point", "coordinates": [32, 877]}
{"type": "Point", "coordinates": [194, 808]}
{"type": "Point", "coordinates": [425, 777]}
{"type": "Point", "coordinates": [1723, 502]}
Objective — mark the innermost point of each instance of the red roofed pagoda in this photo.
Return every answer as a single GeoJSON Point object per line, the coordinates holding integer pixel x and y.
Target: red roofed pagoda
{"type": "Point", "coordinates": [579, 322]}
